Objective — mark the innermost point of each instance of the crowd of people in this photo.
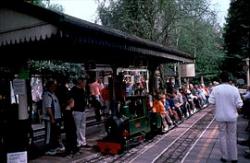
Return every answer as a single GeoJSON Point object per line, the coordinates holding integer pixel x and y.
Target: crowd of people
{"type": "Point", "coordinates": [67, 106]}
{"type": "Point", "coordinates": [174, 105]}
{"type": "Point", "coordinates": [61, 105]}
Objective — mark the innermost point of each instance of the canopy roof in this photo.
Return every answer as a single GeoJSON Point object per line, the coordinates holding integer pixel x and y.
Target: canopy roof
{"type": "Point", "coordinates": [44, 34]}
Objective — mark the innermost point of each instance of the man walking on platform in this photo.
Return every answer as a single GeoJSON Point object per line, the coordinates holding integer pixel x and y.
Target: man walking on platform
{"type": "Point", "coordinates": [227, 100]}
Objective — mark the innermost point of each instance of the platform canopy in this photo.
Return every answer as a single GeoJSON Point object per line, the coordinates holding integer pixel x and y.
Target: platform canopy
{"type": "Point", "coordinates": [38, 33]}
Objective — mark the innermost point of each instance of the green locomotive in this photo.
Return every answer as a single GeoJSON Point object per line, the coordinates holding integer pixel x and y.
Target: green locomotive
{"type": "Point", "coordinates": [134, 123]}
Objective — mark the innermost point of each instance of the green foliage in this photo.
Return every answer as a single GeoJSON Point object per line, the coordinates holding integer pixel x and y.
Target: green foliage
{"type": "Point", "coordinates": [55, 7]}
{"type": "Point", "coordinates": [134, 17]}
{"type": "Point", "coordinates": [36, 2]}
{"type": "Point", "coordinates": [54, 68]}
{"type": "Point", "coordinates": [188, 25]}
{"type": "Point", "coordinates": [46, 4]}
{"type": "Point", "coordinates": [236, 36]}
{"type": "Point", "coordinates": [201, 39]}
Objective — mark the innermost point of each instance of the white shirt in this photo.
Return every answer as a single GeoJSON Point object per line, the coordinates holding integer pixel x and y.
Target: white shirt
{"type": "Point", "coordinates": [226, 99]}
{"type": "Point", "coordinates": [51, 101]}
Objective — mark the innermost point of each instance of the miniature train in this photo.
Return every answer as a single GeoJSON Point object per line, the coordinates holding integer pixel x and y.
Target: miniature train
{"type": "Point", "coordinates": [133, 125]}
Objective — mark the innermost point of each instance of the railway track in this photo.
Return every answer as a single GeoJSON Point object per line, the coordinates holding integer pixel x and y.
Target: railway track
{"type": "Point", "coordinates": [173, 151]}
{"type": "Point", "coordinates": [177, 151]}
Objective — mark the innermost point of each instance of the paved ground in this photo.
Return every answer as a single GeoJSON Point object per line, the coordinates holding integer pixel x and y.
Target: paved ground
{"type": "Point", "coordinates": [206, 149]}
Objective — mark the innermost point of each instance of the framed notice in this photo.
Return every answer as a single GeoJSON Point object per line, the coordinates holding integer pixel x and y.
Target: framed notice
{"type": "Point", "coordinates": [19, 86]}
{"type": "Point", "coordinates": [17, 157]}
{"type": "Point", "coordinates": [187, 70]}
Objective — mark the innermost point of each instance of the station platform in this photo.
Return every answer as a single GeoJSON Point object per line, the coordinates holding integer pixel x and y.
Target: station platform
{"type": "Point", "coordinates": [205, 149]}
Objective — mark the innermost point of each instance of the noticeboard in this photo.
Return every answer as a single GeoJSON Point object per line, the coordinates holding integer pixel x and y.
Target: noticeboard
{"type": "Point", "coordinates": [187, 70]}
{"type": "Point", "coordinates": [17, 157]}
{"type": "Point", "coordinates": [19, 86]}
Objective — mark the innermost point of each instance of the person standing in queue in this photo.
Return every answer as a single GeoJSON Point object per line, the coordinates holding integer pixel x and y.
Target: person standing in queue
{"type": "Point", "coordinates": [227, 100]}
{"type": "Point", "coordinates": [52, 119]}
{"type": "Point", "coordinates": [96, 99]}
{"type": "Point", "coordinates": [70, 128]}
{"type": "Point", "coordinates": [79, 94]}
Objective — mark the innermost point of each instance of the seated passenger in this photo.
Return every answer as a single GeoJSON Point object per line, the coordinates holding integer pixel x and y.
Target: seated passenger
{"type": "Point", "coordinates": [158, 107]}
{"type": "Point", "coordinates": [186, 105]}
{"type": "Point", "coordinates": [194, 98]}
{"type": "Point", "coordinates": [173, 113]}
{"type": "Point", "coordinates": [178, 104]}
{"type": "Point", "coordinates": [169, 113]}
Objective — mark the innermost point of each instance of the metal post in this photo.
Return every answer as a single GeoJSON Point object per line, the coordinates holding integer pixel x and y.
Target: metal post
{"type": "Point", "coordinates": [114, 103]}
{"type": "Point", "coordinates": [179, 74]}
{"type": "Point", "coordinates": [202, 79]}
{"type": "Point", "coordinates": [248, 73]}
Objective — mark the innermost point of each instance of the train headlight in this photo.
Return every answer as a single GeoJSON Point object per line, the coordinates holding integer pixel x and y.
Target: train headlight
{"type": "Point", "coordinates": [125, 134]}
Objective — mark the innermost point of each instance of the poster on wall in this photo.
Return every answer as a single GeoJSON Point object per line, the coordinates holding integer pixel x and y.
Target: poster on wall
{"type": "Point", "coordinates": [19, 86]}
{"type": "Point", "coordinates": [187, 70]}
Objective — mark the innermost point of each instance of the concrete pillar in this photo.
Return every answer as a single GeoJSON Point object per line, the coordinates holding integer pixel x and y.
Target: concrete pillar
{"type": "Point", "coordinates": [20, 89]}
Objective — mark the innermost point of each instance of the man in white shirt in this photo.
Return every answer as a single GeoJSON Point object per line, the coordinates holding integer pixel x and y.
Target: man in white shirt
{"type": "Point", "coordinates": [226, 99]}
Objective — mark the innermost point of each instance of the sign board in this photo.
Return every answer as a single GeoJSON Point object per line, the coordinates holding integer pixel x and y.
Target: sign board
{"type": "Point", "coordinates": [17, 157]}
{"type": "Point", "coordinates": [187, 70]}
{"type": "Point", "coordinates": [19, 86]}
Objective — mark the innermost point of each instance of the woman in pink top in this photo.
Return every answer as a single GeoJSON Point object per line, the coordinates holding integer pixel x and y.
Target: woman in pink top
{"type": "Point", "coordinates": [96, 101]}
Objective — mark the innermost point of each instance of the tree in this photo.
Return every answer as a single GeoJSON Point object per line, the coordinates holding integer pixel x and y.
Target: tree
{"type": "Point", "coordinates": [46, 4]}
{"type": "Point", "coordinates": [187, 25]}
{"type": "Point", "coordinates": [134, 17]}
{"type": "Point", "coordinates": [35, 2]}
{"type": "Point", "coordinates": [236, 36]}
{"type": "Point", "coordinates": [202, 37]}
